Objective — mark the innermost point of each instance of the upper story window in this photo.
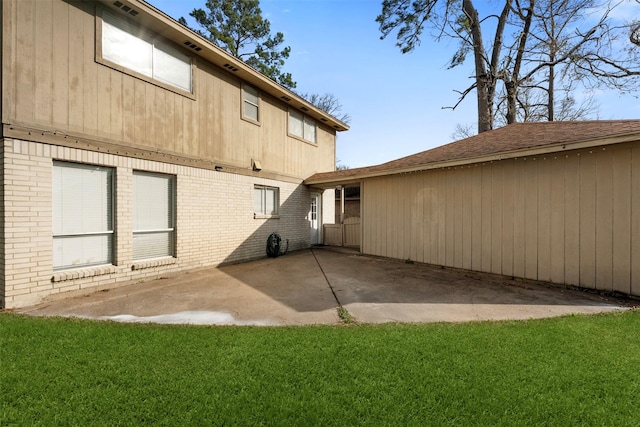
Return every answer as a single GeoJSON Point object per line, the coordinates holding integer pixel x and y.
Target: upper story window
{"type": "Point", "coordinates": [125, 45]}
{"type": "Point", "coordinates": [302, 126]}
{"type": "Point", "coordinates": [251, 103]}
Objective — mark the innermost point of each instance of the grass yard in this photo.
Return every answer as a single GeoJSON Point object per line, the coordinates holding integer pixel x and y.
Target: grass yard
{"type": "Point", "coordinates": [562, 371]}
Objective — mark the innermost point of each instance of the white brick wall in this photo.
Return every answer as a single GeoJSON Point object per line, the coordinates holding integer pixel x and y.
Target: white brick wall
{"type": "Point", "coordinates": [214, 221]}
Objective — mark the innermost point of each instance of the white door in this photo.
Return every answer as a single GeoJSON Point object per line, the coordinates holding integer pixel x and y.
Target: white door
{"type": "Point", "coordinates": [314, 219]}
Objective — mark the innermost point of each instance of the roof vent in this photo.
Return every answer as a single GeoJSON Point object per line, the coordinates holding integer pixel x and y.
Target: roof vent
{"type": "Point", "coordinates": [304, 108]}
{"type": "Point", "coordinates": [192, 46]}
{"type": "Point", "coordinates": [323, 119]}
{"type": "Point", "coordinates": [230, 67]}
{"type": "Point", "coordinates": [125, 8]}
{"type": "Point", "coordinates": [285, 98]}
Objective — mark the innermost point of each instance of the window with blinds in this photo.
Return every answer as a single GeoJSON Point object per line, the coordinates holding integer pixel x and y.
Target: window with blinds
{"type": "Point", "coordinates": [251, 101]}
{"type": "Point", "coordinates": [265, 200]}
{"type": "Point", "coordinates": [153, 215]}
{"type": "Point", "coordinates": [82, 215]}
{"type": "Point", "coordinates": [126, 45]}
{"type": "Point", "coordinates": [302, 126]}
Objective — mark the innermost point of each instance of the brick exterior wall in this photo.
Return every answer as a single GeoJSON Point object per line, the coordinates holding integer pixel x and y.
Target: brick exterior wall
{"type": "Point", "coordinates": [215, 222]}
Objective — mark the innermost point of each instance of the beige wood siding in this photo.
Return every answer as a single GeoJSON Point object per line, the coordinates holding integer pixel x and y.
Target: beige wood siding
{"type": "Point", "coordinates": [51, 81]}
{"type": "Point", "coordinates": [569, 218]}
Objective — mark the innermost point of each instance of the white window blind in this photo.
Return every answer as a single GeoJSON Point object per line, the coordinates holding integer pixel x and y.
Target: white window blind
{"type": "Point", "coordinates": [251, 100]}
{"type": "Point", "coordinates": [309, 130]}
{"type": "Point", "coordinates": [302, 126]}
{"type": "Point", "coordinates": [153, 215]}
{"type": "Point", "coordinates": [265, 200]}
{"type": "Point", "coordinates": [170, 66]}
{"type": "Point", "coordinates": [82, 215]}
{"type": "Point", "coordinates": [122, 44]}
{"type": "Point", "coordinates": [295, 123]}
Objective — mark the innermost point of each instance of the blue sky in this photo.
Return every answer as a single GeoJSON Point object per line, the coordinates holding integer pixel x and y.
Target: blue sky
{"type": "Point", "coordinates": [395, 101]}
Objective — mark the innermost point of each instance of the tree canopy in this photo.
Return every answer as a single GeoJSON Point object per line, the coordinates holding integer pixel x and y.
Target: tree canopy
{"type": "Point", "coordinates": [536, 47]}
{"type": "Point", "coordinates": [238, 27]}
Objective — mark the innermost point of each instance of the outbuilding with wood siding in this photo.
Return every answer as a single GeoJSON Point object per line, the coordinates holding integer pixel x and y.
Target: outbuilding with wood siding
{"type": "Point", "coordinates": [555, 202]}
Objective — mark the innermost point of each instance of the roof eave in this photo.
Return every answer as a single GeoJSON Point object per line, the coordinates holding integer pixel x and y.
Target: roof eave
{"type": "Point", "coordinates": [329, 182]}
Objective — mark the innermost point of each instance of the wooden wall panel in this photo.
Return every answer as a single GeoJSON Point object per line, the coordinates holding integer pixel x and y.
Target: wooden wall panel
{"type": "Point", "coordinates": [621, 254]}
{"type": "Point", "coordinates": [76, 69]}
{"type": "Point", "coordinates": [60, 69]}
{"type": "Point", "coordinates": [117, 107]}
{"type": "Point", "coordinates": [24, 69]}
{"type": "Point", "coordinates": [467, 216]}
{"type": "Point", "coordinates": [43, 53]}
{"type": "Point", "coordinates": [544, 219]}
{"type": "Point", "coordinates": [404, 219]}
{"type": "Point", "coordinates": [520, 179]}
{"type": "Point", "coordinates": [530, 167]}
{"type": "Point", "coordinates": [508, 213]}
{"type": "Point", "coordinates": [635, 221]}
{"type": "Point", "coordinates": [418, 231]}
{"type": "Point", "coordinates": [476, 221]}
{"type": "Point", "coordinates": [485, 213]}
{"type": "Point", "coordinates": [449, 218]}
{"type": "Point", "coordinates": [497, 180]}
{"type": "Point", "coordinates": [458, 212]}
{"type": "Point", "coordinates": [439, 206]}
{"type": "Point", "coordinates": [556, 217]}
{"type": "Point", "coordinates": [427, 217]}
{"type": "Point", "coordinates": [588, 220]}
{"type": "Point", "coordinates": [604, 220]}
{"type": "Point", "coordinates": [572, 219]}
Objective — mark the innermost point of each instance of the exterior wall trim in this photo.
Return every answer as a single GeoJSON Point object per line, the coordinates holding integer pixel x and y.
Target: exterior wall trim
{"type": "Point", "coordinates": [103, 145]}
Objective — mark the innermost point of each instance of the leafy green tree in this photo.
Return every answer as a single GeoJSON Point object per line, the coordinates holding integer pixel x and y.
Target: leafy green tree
{"type": "Point", "coordinates": [238, 27]}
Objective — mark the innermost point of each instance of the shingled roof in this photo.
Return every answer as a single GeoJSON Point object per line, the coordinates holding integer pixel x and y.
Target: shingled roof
{"type": "Point", "coordinates": [514, 140]}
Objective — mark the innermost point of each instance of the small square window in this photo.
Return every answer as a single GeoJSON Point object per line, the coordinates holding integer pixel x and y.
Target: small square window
{"type": "Point", "coordinates": [266, 200]}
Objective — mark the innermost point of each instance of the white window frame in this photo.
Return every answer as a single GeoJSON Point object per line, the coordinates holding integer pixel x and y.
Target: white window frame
{"type": "Point", "coordinates": [82, 232]}
{"type": "Point", "coordinates": [150, 225]}
{"type": "Point", "coordinates": [158, 49]}
{"type": "Point", "coordinates": [308, 129]}
{"type": "Point", "coordinates": [263, 192]}
{"type": "Point", "coordinates": [250, 90]}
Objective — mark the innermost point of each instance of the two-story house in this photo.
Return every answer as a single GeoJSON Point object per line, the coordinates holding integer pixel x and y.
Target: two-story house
{"type": "Point", "coordinates": [133, 148]}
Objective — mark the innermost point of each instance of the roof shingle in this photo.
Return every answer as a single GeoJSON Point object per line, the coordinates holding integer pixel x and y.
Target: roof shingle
{"type": "Point", "coordinates": [512, 138]}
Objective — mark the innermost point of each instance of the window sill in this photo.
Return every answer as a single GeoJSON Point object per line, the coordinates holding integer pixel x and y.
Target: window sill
{"type": "Point", "coordinates": [250, 120]}
{"type": "Point", "coordinates": [260, 216]}
{"type": "Point", "coordinates": [82, 273]}
{"type": "Point", "coordinates": [306, 141]}
{"type": "Point", "coordinates": [150, 263]}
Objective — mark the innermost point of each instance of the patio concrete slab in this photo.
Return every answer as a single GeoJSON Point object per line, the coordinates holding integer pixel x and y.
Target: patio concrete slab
{"type": "Point", "coordinates": [304, 287]}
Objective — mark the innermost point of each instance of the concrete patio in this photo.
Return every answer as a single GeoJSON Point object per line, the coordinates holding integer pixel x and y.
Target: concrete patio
{"type": "Point", "coordinates": [307, 287]}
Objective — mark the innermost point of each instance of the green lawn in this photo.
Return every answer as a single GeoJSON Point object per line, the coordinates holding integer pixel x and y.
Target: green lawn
{"type": "Point", "coordinates": [563, 371]}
